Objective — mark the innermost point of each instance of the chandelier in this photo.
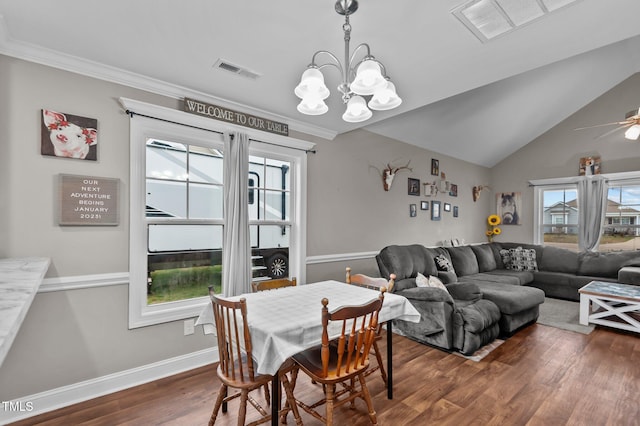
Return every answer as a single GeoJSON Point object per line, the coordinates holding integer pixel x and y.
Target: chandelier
{"type": "Point", "coordinates": [364, 77]}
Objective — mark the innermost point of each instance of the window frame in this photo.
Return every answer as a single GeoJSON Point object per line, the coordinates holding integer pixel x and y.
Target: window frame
{"type": "Point", "coordinates": [171, 124]}
{"type": "Point", "coordinates": [540, 185]}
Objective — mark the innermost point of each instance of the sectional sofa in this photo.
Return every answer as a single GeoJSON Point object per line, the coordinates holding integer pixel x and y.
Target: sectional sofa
{"type": "Point", "coordinates": [494, 288]}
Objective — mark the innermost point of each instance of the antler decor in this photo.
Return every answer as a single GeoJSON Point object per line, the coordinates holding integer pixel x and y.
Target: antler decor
{"type": "Point", "coordinates": [389, 172]}
{"type": "Point", "coordinates": [477, 190]}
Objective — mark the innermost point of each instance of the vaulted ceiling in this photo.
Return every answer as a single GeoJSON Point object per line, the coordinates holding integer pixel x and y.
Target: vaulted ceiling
{"type": "Point", "coordinates": [471, 100]}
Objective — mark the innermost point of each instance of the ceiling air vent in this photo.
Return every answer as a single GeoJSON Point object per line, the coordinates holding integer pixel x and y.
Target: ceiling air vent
{"type": "Point", "coordinates": [224, 65]}
{"type": "Point", "coordinates": [488, 19]}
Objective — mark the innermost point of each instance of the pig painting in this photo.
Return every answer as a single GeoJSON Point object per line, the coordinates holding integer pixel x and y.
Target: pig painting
{"type": "Point", "coordinates": [70, 136]}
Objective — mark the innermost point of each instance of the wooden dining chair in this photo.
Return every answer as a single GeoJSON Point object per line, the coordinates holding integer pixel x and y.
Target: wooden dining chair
{"type": "Point", "coordinates": [341, 361]}
{"type": "Point", "coordinates": [236, 368]}
{"type": "Point", "coordinates": [375, 284]}
{"type": "Point", "coordinates": [272, 284]}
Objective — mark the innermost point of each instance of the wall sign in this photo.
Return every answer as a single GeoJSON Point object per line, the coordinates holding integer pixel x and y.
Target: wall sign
{"type": "Point", "coordinates": [88, 200]}
{"type": "Point", "coordinates": [236, 117]}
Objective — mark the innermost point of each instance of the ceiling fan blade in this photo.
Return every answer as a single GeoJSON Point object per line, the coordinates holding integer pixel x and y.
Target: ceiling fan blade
{"type": "Point", "coordinates": [601, 125]}
{"type": "Point", "coordinates": [612, 131]}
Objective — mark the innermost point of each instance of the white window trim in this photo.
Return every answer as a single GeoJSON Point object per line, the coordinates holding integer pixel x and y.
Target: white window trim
{"type": "Point", "coordinates": [141, 128]}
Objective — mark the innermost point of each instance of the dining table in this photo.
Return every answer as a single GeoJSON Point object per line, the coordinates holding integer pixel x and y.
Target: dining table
{"type": "Point", "coordinates": [286, 321]}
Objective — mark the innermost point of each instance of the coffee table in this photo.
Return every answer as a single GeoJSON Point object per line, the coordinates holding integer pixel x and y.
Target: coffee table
{"type": "Point", "coordinates": [612, 304]}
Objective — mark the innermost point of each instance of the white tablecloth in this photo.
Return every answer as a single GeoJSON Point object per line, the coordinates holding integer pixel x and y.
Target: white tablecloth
{"type": "Point", "coordinates": [286, 321]}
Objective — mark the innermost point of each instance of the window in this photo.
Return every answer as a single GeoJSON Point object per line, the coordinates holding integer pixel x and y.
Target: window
{"type": "Point", "coordinates": [559, 217]}
{"type": "Point", "coordinates": [621, 227]}
{"type": "Point", "coordinates": [176, 211]}
{"type": "Point", "coordinates": [556, 208]}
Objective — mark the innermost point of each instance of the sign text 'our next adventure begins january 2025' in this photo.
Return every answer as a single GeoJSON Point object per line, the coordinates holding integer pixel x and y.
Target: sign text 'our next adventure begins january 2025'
{"type": "Point", "coordinates": [235, 117]}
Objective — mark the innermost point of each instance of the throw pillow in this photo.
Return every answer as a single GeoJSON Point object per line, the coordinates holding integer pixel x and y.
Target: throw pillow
{"type": "Point", "coordinates": [506, 258]}
{"type": "Point", "coordinates": [435, 282]}
{"type": "Point", "coordinates": [422, 281]}
{"type": "Point", "coordinates": [443, 264]}
{"type": "Point", "coordinates": [523, 259]}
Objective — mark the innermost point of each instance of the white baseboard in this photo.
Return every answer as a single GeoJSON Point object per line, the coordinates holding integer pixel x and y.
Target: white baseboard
{"type": "Point", "coordinates": [32, 405]}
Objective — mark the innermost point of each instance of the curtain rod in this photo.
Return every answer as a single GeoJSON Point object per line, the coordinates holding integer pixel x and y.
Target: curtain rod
{"type": "Point", "coordinates": [132, 113]}
{"type": "Point", "coordinates": [576, 179]}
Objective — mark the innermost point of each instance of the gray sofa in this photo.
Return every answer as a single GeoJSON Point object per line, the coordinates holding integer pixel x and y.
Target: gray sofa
{"type": "Point", "coordinates": [485, 299]}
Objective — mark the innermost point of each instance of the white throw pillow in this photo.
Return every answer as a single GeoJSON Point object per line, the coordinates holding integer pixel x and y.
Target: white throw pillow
{"type": "Point", "coordinates": [422, 281]}
{"type": "Point", "coordinates": [436, 282]}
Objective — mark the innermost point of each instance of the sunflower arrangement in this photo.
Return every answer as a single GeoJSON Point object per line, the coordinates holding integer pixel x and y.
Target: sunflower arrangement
{"type": "Point", "coordinates": [492, 226]}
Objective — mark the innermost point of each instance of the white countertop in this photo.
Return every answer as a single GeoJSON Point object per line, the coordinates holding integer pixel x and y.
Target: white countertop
{"type": "Point", "coordinates": [20, 279]}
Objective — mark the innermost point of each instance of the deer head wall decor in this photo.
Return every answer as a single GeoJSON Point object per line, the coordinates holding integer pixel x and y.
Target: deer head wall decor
{"type": "Point", "coordinates": [389, 172]}
{"type": "Point", "coordinates": [477, 190]}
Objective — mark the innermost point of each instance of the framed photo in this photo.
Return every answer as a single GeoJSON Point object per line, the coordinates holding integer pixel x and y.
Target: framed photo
{"type": "Point", "coordinates": [435, 167]}
{"type": "Point", "coordinates": [508, 207]}
{"type": "Point", "coordinates": [413, 210]}
{"type": "Point", "coordinates": [414, 186]}
{"type": "Point", "coordinates": [589, 166]}
{"type": "Point", "coordinates": [435, 210]}
{"type": "Point", "coordinates": [455, 211]}
{"type": "Point", "coordinates": [68, 136]}
{"type": "Point", "coordinates": [447, 207]}
{"type": "Point", "coordinates": [454, 190]}
{"type": "Point", "coordinates": [424, 205]}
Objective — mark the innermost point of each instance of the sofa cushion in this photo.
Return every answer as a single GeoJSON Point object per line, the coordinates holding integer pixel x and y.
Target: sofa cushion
{"type": "Point", "coordinates": [605, 264]}
{"type": "Point", "coordinates": [404, 284]}
{"type": "Point", "coordinates": [555, 259]}
{"type": "Point", "coordinates": [511, 299]}
{"type": "Point", "coordinates": [464, 261]}
{"type": "Point", "coordinates": [485, 257]}
{"type": "Point", "coordinates": [489, 277]}
{"type": "Point", "coordinates": [405, 261]}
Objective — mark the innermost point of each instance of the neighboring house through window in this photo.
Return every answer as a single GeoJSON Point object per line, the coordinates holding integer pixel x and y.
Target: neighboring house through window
{"type": "Point", "coordinates": [557, 211]}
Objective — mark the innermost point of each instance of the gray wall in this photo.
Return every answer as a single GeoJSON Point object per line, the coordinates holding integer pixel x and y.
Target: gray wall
{"type": "Point", "coordinates": [557, 152]}
{"type": "Point", "coordinates": [75, 335]}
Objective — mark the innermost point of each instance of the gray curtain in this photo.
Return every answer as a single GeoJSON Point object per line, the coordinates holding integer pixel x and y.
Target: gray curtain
{"type": "Point", "coordinates": [592, 207]}
{"type": "Point", "coordinates": [236, 255]}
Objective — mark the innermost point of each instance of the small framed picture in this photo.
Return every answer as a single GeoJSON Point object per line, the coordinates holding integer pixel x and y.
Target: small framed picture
{"type": "Point", "coordinates": [454, 190]}
{"type": "Point", "coordinates": [435, 167]}
{"type": "Point", "coordinates": [447, 207]}
{"type": "Point", "coordinates": [455, 211]}
{"type": "Point", "coordinates": [435, 210]}
{"type": "Point", "coordinates": [424, 205]}
{"type": "Point", "coordinates": [414, 186]}
{"type": "Point", "coordinates": [413, 210]}
{"type": "Point", "coordinates": [589, 166]}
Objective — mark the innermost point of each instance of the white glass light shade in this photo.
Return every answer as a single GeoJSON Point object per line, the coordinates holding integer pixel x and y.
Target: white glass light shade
{"type": "Point", "coordinates": [357, 110]}
{"type": "Point", "coordinates": [312, 106]}
{"type": "Point", "coordinates": [312, 84]}
{"type": "Point", "coordinates": [633, 132]}
{"type": "Point", "coordinates": [385, 98]}
{"type": "Point", "coordinates": [368, 78]}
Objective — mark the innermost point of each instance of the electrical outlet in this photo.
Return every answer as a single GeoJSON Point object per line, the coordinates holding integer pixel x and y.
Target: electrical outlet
{"type": "Point", "coordinates": [189, 326]}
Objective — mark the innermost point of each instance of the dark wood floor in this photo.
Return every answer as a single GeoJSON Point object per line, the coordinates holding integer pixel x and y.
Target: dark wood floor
{"type": "Point", "coordinates": [539, 376]}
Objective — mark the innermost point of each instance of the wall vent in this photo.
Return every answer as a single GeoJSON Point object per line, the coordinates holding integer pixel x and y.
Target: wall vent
{"type": "Point", "coordinates": [225, 65]}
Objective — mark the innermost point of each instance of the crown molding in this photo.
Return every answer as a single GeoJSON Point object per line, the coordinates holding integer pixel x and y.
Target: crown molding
{"type": "Point", "coordinates": [40, 55]}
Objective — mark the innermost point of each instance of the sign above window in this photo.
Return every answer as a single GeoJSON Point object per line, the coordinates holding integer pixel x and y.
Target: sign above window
{"type": "Point", "coordinates": [235, 117]}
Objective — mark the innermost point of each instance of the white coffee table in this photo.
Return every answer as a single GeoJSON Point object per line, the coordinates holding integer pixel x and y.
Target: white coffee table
{"type": "Point", "coordinates": [612, 304]}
